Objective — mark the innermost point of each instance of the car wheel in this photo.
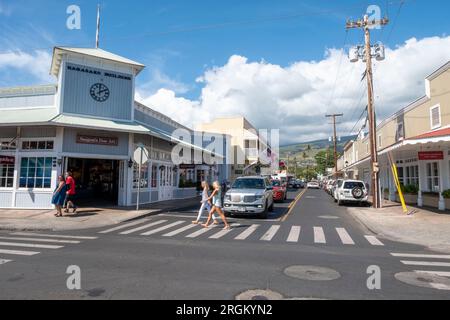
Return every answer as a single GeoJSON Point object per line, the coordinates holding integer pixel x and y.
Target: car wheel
{"type": "Point", "coordinates": [265, 213]}
{"type": "Point", "coordinates": [339, 202]}
{"type": "Point", "coordinates": [271, 207]}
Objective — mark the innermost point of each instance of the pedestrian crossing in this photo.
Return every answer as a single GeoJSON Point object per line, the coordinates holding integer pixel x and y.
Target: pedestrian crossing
{"type": "Point", "coordinates": [429, 264]}
{"type": "Point", "coordinates": [27, 244]}
{"type": "Point", "coordinates": [184, 229]}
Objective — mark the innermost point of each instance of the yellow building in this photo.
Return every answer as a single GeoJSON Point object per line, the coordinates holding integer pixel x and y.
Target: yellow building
{"type": "Point", "coordinates": [245, 144]}
{"type": "Point", "coordinates": [418, 138]}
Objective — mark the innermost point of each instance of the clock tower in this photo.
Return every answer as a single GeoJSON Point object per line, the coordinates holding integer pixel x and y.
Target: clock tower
{"type": "Point", "coordinates": [95, 83]}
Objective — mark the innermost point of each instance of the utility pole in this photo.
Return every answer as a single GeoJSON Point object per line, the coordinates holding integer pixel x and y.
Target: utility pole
{"type": "Point", "coordinates": [366, 55]}
{"type": "Point", "coordinates": [334, 116]}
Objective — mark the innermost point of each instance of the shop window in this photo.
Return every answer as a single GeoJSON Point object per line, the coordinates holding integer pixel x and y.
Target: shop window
{"type": "Point", "coordinates": [35, 172]}
{"type": "Point", "coordinates": [144, 176]}
{"type": "Point", "coordinates": [37, 145]}
{"type": "Point", "coordinates": [6, 175]}
{"type": "Point", "coordinates": [7, 145]}
{"type": "Point", "coordinates": [433, 176]}
{"type": "Point", "coordinates": [412, 175]}
{"type": "Point", "coordinates": [401, 175]}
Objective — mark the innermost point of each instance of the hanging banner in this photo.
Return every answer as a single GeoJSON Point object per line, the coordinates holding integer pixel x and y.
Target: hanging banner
{"type": "Point", "coordinates": [431, 155]}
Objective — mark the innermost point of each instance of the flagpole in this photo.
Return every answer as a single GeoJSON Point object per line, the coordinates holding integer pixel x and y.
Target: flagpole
{"type": "Point", "coordinates": [97, 35]}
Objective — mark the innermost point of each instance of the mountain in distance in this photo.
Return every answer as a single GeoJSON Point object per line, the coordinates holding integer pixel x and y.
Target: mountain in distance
{"type": "Point", "coordinates": [300, 150]}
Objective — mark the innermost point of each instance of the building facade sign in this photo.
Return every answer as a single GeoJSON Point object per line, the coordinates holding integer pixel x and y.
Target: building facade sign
{"type": "Point", "coordinates": [7, 160]}
{"type": "Point", "coordinates": [104, 141]}
{"type": "Point", "coordinates": [431, 155]}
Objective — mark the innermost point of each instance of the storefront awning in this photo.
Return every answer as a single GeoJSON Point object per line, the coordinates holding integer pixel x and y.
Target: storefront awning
{"type": "Point", "coordinates": [33, 116]}
{"type": "Point", "coordinates": [101, 124]}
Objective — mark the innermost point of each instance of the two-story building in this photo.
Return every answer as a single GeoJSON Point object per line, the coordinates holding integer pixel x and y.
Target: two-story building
{"type": "Point", "coordinates": [88, 123]}
{"type": "Point", "coordinates": [246, 147]}
{"type": "Point", "coordinates": [418, 138]}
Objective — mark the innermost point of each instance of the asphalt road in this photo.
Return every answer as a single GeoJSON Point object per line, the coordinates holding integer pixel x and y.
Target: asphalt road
{"type": "Point", "coordinates": [165, 257]}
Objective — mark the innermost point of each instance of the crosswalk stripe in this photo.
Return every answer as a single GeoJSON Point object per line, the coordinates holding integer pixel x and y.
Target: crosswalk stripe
{"type": "Point", "coordinates": [319, 235]}
{"type": "Point", "coordinates": [224, 232]}
{"type": "Point", "coordinates": [294, 234]}
{"type": "Point", "coordinates": [374, 241]}
{"type": "Point", "coordinates": [162, 228]}
{"type": "Point", "coordinates": [40, 240]}
{"type": "Point", "coordinates": [178, 231]}
{"type": "Point", "coordinates": [426, 263]}
{"type": "Point", "coordinates": [30, 245]}
{"type": "Point", "coordinates": [123, 226]}
{"type": "Point", "coordinates": [437, 273]}
{"type": "Point", "coordinates": [3, 261]}
{"type": "Point", "coordinates": [201, 231]}
{"type": "Point", "coordinates": [345, 237]}
{"type": "Point", "coordinates": [145, 226]}
{"type": "Point", "coordinates": [431, 256]}
{"type": "Point", "coordinates": [53, 236]}
{"type": "Point", "coordinates": [247, 232]}
{"type": "Point", "coordinates": [18, 252]}
{"type": "Point", "coordinates": [270, 233]}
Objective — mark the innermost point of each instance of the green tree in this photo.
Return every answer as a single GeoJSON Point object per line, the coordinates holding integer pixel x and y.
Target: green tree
{"type": "Point", "coordinates": [324, 160]}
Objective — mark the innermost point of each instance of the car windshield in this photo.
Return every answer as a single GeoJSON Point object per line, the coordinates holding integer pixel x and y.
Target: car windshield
{"type": "Point", "coordinates": [276, 183]}
{"type": "Point", "coordinates": [249, 184]}
{"type": "Point", "coordinates": [353, 184]}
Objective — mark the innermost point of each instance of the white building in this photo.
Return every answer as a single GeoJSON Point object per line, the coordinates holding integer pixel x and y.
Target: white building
{"type": "Point", "coordinates": [88, 123]}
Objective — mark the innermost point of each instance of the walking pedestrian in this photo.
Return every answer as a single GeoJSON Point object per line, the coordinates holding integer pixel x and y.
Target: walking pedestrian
{"type": "Point", "coordinates": [59, 196]}
{"type": "Point", "coordinates": [206, 204]}
{"type": "Point", "coordinates": [216, 198]}
{"type": "Point", "coordinates": [71, 192]}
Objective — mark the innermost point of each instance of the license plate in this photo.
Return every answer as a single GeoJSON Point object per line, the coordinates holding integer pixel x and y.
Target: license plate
{"type": "Point", "coordinates": [241, 209]}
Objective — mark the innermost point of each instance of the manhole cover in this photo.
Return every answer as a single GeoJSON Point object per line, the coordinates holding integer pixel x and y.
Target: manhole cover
{"type": "Point", "coordinates": [328, 217]}
{"type": "Point", "coordinates": [259, 295]}
{"type": "Point", "coordinates": [313, 273]}
{"type": "Point", "coordinates": [425, 280]}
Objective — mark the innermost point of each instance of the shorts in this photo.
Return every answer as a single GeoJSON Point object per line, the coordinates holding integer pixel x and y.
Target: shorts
{"type": "Point", "coordinates": [70, 197]}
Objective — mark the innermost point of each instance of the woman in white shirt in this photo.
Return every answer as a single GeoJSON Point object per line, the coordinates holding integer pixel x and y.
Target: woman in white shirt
{"type": "Point", "coordinates": [206, 204]}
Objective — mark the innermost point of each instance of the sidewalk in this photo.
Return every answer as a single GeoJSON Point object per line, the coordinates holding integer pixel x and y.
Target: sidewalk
{"type": "Point", "coordinates": [424, 227]}
{"type": "Point", "coordinates": [85, 218]}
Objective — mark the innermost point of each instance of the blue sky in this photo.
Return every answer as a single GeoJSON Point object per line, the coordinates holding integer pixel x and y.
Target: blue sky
{"type": "Point", "coordinates": [180, 40]}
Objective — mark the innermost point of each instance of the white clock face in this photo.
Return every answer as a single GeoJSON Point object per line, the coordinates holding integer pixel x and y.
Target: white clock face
{"type": "Point", "coordinates": [99, 92]}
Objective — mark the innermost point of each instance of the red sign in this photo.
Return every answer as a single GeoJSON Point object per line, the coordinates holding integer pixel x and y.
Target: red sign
{"type": "Point", "coordinates": [104, 141]}
{"type": "Point", "coordinates": [431, 155]}
{"type": "Point", "coordinates": [7, 160]}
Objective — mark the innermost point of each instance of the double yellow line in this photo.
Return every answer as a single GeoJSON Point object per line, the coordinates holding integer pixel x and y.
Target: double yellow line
{"type": "Point", "coordinates": [292, 205]}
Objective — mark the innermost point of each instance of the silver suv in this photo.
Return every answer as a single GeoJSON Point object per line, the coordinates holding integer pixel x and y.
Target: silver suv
{"type": "Point", "coordinates": [250, 195]}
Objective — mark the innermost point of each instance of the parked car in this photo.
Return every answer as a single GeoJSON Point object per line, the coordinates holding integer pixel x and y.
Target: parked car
{"type": "Point", "coordinates": [336, 186]}
{"type": "Point", "coordinates": [279, 191]}
{"type": "Point", "coordinates": [352, 191]}
{"type": "Point", "coordinates": [250, 195]}
{"type": "Point", "coordinates": [329, 186]}
{"type": "Point", "coordinates": [313, 185]}
{"type": "Point", "coordinates": [301, 184]}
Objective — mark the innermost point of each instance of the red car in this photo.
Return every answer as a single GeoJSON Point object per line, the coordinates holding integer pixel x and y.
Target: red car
{"type": "Point", "coordinates": [279, 191]}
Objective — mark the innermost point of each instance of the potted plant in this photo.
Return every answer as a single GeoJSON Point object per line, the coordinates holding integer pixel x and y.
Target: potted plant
{"type": "Point", "coordinates": [430, 199]}
{"type": "Point", "coordinates": [410, 193]}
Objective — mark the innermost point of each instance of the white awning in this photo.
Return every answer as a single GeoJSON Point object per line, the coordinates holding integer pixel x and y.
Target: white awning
{"type": "Point", "coordinates": [35, 116]}
{"type": "Point", "coordinates": [100, 124]}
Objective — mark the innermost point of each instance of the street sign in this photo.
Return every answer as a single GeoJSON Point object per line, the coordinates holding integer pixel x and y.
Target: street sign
{"type": "Point", "coordinates": [140, 155]}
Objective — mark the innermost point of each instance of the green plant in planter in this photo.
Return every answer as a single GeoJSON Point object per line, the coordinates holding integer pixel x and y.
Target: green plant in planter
{"type": "Point", "coordinates": [410, 189]}
{"type": "Point", "coordinates": [446, 194]}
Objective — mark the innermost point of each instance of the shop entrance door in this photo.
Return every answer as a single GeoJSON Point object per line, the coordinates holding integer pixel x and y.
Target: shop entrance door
{"type": "Point", "coordinates": [165, 182]}
{"type": "Point", "coordinates": [97, 181]}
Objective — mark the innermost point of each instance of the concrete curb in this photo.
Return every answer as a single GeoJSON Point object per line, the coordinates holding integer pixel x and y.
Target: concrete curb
{"type": "Point", "coordinates": [150, 212]}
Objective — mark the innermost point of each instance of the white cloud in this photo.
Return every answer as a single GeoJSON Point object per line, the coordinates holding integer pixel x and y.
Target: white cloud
{"type": "Point", "coordinates": [36, 64]}
{"type": "Point", "coordinates": [295, 98]}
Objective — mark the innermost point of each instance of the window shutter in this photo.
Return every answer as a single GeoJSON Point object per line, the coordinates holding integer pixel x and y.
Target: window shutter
{"type": "Point", "coordinates": [435, 117]}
